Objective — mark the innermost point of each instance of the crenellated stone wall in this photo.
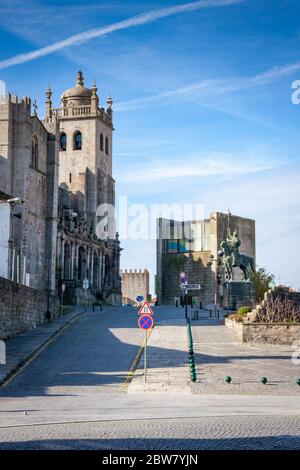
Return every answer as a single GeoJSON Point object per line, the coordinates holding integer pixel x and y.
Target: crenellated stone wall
{"type": "Point", "coordinates": [22, 308]}
{"type": "Point", "coordinates": [134, 283]}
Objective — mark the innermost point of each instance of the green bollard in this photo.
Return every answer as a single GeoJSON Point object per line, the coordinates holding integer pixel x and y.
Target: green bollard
{"type": "Point", "coordinates": [298, 381]}
{"type": "Point", "coordinates": [228, 379]}
{"type": "Point", "coordinates": [264, 380]}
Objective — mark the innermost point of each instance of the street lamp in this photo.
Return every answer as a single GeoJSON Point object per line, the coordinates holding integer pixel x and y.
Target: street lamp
{"type": "Point", "coordinates": [13, 202]}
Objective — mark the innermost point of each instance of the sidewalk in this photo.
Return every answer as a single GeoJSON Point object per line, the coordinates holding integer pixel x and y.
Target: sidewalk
{"type": "Point", "coordinates": [167, 359]}
{"type": "Point", "coordinates": [21, 348]}
{"type": "Point", "coordinates": [218, 353]}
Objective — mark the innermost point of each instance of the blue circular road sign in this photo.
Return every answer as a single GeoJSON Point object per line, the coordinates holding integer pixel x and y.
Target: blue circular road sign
{"type": "Point", "coordinates": [145, 322]}
{"type": "Point", "coordinates": [140, 298]}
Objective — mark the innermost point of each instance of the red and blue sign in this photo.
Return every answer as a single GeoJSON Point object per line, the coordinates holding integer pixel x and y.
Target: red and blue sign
{"type": "Point", "coordinates": [145, 322]}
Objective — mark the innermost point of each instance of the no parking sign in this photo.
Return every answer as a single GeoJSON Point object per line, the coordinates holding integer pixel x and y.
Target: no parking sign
{"type": "Point", "coordinates": [145, 322]}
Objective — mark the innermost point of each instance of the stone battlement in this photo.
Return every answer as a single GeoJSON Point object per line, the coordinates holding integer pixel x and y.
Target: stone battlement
{"type": "Point", "coordinates": [14, 100]}
{"type": "Point", "coordinates": [135, 271]}
{"type": "Point", "coordinates": [135, 282]}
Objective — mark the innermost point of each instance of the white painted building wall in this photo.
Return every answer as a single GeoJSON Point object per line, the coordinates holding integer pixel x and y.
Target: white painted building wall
{"type": "Point", "coordinates": [4, 237]}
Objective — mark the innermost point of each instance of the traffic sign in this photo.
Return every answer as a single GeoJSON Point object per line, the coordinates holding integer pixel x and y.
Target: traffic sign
{"type": "Point", "coordinates": [85, 284]}
{"type": "Point", "coordinates": [145, 322]}
{"type": "Point", "coordinates": [190, 286]}
{"type": "Point", "coordinates": [139, 298]}
{"type": "Point", "coordinates": [145, 309]}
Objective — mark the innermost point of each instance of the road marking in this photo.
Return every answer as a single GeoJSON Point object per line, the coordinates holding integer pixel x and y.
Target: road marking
{"type": "Point", "coordinates": [135, 362]}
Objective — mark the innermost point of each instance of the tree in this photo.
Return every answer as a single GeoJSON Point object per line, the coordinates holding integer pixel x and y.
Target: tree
{"type": "Point", "coordinates": [262, 281]}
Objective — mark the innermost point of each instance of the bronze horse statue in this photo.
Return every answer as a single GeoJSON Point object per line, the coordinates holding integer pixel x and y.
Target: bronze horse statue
{"type": "Point", "coordinates": [232, 258]}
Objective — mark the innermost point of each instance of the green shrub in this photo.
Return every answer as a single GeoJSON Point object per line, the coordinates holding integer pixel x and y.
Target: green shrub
{"type": "Point", "coordinates": [243, 310]}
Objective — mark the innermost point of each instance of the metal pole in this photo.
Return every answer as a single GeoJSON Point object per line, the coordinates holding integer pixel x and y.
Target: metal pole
{"type": "Point", "coordinates": [145, 358]}
{"type": "Point", "coordinates": [216, 288]}
{"type": "Point", "coordinates": [61, 301]}
{"type": "Point", "coordinates": [186, 299]}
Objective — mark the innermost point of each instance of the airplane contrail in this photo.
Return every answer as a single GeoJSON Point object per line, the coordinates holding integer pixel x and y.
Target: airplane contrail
{"type": "Point", "coordinates": [85, 36]}
{"type": "Point", "coordinates": [212, 87]}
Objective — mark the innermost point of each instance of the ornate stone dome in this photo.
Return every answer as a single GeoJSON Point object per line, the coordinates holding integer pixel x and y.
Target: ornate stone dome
{"type": "Point", "coordinates": [78, 95]}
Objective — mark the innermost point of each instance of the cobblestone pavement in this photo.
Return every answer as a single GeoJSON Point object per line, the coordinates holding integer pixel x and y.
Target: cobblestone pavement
{"type": "Point", "coordinates": [93, 355]}
{"type": "Point", "coordinates": [21, 347]}
{"type": "Point", "coordinates": [167, 357]}
{"type": "Point", "coordinates": [72, 396]}
{"type": "Point", "coordinates": [205, 433]}
{"type": "Point", "coordinates": [218, 353]}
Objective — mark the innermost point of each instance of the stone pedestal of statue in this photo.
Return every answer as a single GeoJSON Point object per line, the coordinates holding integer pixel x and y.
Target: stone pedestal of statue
{"type": "Point", "coordinates": [238, 294]}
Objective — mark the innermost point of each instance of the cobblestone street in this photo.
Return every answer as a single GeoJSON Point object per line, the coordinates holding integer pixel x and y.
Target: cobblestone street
{"type": "Point", "coordinates": [73, 394]}
{"type": "Point", "coordinates": [178, 434]}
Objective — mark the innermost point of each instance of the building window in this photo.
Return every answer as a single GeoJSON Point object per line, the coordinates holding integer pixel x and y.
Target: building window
{"type": "Point", "coordinates": [106, 145]}
{"type": "Point", "coordinates": [63, 142]}
{"type": "Point", "coordinates": [77, 141]}
{"type": "Point", "coordinates": [101, 142]}
{"type": "Point", "coordinates": [34, 152]}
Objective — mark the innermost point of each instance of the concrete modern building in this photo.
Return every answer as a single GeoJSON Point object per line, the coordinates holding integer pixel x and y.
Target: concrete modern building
{"type": "Point", "coordinates": [189, 247]}
{"type": "Point", "coordinates": [134, 283]}
{"type": "Point", "coordinates": [61, 169]}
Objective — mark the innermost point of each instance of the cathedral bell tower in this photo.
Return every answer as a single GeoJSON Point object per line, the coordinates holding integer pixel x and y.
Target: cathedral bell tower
{"type": "Point", "coordinates": [85, 149]}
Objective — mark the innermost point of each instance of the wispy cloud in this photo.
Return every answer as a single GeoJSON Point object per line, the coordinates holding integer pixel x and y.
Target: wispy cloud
{"type": "Point", "coordinates": [85, 36]}
{"type": "Point", "coordinates": [220, 165]}
{"type": "Point", "coordinates": [212, 87]}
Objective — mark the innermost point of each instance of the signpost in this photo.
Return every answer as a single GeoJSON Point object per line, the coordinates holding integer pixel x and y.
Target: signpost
{"type": "Point", "coordinates": [63, 288]}
{"type": "Point", "coordinates": [190, 286]}
{"type": "Point", "coordinates": [145, 309]}
{"type": "Point", "coordinates": [184, 286]}
{"type": "Point", "coordinates": [86, 285]}
{"type": "Point", "coordinates": [145, 323]}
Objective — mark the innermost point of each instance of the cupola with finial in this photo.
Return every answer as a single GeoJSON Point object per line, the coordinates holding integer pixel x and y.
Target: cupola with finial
{"type": "Point", "coordinates": [78, 95]}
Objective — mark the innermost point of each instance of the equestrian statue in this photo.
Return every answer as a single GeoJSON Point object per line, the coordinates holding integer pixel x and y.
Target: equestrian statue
{"type": "Point", "coordinates": [231, 258]}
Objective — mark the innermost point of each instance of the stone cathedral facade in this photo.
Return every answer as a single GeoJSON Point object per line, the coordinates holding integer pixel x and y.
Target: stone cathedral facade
{"type": "Point", "coordinates": [61, 170]}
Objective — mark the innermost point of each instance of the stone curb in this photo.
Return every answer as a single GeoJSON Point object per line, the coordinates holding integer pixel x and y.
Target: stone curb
{"type": "Point", "coordinates": [37, 350]}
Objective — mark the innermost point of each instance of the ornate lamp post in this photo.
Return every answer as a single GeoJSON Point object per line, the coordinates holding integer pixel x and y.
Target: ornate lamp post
{"type": "Point", "coordinates": [13, 202]}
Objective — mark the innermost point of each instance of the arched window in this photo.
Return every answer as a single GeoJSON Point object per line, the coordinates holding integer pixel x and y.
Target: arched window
{"type": "Point", "coordinates": [63, 142]}
{"type": "Point", "coordinates": [77, 141]}
{"type": "Point", "coordinates": [106, 145]}
{"type": "Point", "coordinates": [101, 142]}
{"type": "Point", "coordinates": [34, 152]}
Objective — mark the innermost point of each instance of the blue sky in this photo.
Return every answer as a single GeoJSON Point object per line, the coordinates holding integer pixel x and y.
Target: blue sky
{"type": "Point", "coordinates": [202, 100]}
